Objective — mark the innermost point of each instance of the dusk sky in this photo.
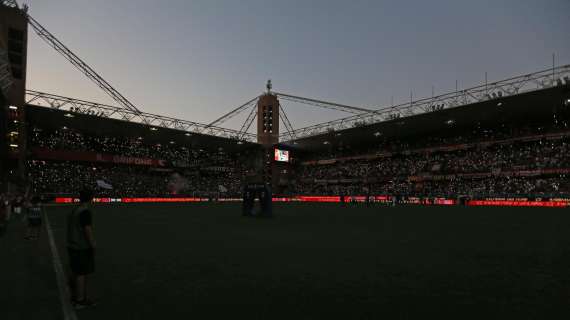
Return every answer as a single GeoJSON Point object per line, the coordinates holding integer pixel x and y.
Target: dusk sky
{"type": "Point", "coordinates": [197, 59]}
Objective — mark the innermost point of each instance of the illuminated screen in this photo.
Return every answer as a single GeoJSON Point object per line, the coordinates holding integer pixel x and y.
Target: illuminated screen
{"type": "Point", "coordinates": [281, 155]}
{"type": "Point", "coordinates": [380, 198]}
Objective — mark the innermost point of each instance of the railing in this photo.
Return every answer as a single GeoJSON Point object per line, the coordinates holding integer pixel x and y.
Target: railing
{"type": "Point", "coordinates": [486, 92]}
{"type": "Point", "coordinates": [77, 106]}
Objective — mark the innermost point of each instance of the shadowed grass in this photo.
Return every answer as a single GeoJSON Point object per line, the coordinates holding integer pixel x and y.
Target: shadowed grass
{"type": "Point", "coordinates": [323, 261]}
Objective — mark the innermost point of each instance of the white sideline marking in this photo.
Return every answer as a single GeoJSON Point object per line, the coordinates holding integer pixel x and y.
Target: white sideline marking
{"type": "Point", "coordinates": [68, 311]}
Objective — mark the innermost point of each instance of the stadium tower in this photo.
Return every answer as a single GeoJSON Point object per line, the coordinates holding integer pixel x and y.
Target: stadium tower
{"type": "Point", "coordinates": [268, 130]}
{"type": "Point", "coordinates": [268, 118]}
{"type": "Point", "coordinates": [13, 49]}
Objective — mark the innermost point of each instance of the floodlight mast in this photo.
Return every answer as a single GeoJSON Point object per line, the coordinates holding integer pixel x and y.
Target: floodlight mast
{"type": "Point", "coordinates": [51, 40]}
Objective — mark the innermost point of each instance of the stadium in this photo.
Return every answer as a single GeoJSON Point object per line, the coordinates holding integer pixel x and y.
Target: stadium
{"type": "Point", "coordinates": [453, 205]}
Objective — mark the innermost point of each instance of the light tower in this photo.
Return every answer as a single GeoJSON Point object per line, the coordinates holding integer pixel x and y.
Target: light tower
{"type": "Point", "coordinates": [268, 130]}
{"type": "Point", "coordinates": [268, 118]}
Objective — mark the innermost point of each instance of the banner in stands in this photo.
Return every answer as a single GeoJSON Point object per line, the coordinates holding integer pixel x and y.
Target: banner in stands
{"type": "Point", "coordinates": [132, 200]}
{"type": "Point", "coordinates": [517, 203]}
{"type": "Point", "coordinates": [428, 201]}
{"type": "Point", "coordinates": [519, 173]}
{"type": "Point", "coordinates": [63, 200]}
{"type": "Point", "coordinates": [547, 136]}
{"type": "Point", "coordinates": [46, 154]}
{"type": "Point", "coordinates": [217, 169]}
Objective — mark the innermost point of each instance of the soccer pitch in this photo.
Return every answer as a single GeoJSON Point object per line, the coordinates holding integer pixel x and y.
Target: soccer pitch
{"type": "Point", "coordinates": [323, 261]}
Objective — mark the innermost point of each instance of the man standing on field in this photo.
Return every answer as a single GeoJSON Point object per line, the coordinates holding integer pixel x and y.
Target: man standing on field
{"type": "Point", "coordinates": [34, 213]}
{"type": "Point", "coordinates": [3, 215]}
{"type": "Point", "coordinates": [81, 249]}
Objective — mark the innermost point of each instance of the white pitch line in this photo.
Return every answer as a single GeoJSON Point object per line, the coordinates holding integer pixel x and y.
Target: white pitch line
{"type": "Point", "coordinates": [68, 310]}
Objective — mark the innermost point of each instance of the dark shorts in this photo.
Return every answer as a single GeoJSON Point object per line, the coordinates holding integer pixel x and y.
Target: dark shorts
{"type": "Point", "coordinates": [82, 262]}
{"type": "Point", "coordinates": [34, 222]}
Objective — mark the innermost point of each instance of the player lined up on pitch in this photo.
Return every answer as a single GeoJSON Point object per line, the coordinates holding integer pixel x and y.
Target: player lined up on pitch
{"type": "Point", "coordinates": [4, 214]}
{"type": "Point", "coordinates": [81, 249]}
{"type": "Point", "coordinates": [34, 213]}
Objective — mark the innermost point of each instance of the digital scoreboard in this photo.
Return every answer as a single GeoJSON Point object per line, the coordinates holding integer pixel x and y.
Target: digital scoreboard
{"type": "Point", "coordinates": [282, 155]}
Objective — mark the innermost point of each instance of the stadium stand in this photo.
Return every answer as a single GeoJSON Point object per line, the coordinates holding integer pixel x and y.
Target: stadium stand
{"type": "Point", "coordinates": [519, 161]}
{"type": "Point", "coordinates": [65, 160]}
{"type": "Point", "coordinates": [477, 151]}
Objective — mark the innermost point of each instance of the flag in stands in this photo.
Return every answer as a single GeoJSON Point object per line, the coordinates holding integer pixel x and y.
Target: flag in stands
{"type": "Point", "coordinates": [104, 185]}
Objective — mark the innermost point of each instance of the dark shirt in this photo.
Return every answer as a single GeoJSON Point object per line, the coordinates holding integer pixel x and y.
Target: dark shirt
{"type": "Point", "coordinates": [2, 212]}
{"type": "Point", "coordinates": [35, 212]}
{"type": "Point", "coordinates": [85, 218]}
{"type": "Point", "coordinates": [77, 220]}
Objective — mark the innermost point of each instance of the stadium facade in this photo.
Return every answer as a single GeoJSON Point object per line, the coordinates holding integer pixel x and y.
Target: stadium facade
{"type": "Point", "coordinates": [375, 153]}
{"type": "Point", "coordinates": [13, 62]}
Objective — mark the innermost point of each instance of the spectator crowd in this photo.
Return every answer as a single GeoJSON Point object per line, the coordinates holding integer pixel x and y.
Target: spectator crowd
{"type": "Point", "coordinates": [190, 171]}
{"type": "Point", "coordinates": [487, 165]}
{"type": "Point", "coordinates": [483, 162]}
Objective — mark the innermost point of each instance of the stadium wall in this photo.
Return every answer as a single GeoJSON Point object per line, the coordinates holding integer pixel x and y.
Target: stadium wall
{"type": "Point", "coordinates": [14, 35]}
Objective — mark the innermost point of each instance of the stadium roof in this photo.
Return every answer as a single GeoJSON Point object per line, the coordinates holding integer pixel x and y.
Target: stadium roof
{"type": "Point", "coordinates": [47, 118]}
{"type": "Point", "coordinates": [535, 106]}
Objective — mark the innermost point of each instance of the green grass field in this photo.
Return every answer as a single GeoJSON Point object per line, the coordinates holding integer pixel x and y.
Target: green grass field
{"type": "Point", "coordinates": [321, 261]}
